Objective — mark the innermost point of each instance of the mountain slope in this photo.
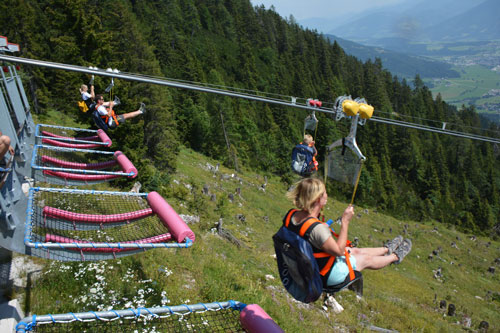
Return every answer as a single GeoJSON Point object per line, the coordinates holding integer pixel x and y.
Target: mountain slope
{"type": "Point", "coordinates": [478, 23]}
{"type": "Point", "coordinates": [419, 22]}
{"type": "Point", "coordinates": [413, 173]}
{"type": "Point", "coordinates": [401, 297]}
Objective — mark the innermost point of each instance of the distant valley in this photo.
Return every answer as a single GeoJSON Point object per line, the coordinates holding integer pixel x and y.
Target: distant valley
{"type": "Point", "coordinates": [400, 64]}
{"type": "Point", "coordinates": [454, 45]}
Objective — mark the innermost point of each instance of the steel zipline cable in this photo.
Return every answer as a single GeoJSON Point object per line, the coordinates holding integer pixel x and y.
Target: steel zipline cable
{"type": "Point", "coordinates": [243, 93]}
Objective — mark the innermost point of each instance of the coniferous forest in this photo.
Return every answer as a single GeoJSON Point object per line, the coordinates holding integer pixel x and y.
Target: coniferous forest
{"type": "Point", "coordinates": [229, 43]}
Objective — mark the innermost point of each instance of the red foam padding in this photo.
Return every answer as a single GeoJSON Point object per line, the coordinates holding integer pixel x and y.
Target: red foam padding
{"type": "Point", "coordinates": [170, 218]}
{"type": "Point", "coordinates": [254, 320]}
{"type": "Point", "coordinates": [70, 145]}
{"type": "Point", "coordinates": [125, 164]}
{"type": "Point", "coordinates": [95, 218]}
{"type": "Point", "coordinates": [79, 176]}
{"type": "Point", "coordinates": [155, 239]}
{"type": "Point", "coordinates": [104, 137]}
{"type": "Point", "coordinates": [76, 165]}
{"type": "Point", "coordinates": [87, 138]}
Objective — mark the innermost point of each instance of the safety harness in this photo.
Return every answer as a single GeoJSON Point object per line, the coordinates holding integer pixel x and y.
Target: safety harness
{"type": "Point", "coordinates": [325, 260]}
{"type": "Point", "coordinates": [106, 117]}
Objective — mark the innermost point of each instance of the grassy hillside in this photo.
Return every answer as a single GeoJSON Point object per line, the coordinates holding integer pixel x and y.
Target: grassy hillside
{"type": "Point", "coordinates": [404, 297]}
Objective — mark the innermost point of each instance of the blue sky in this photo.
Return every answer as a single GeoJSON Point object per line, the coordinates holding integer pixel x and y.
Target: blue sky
{"type": "Point", "coordinates": [301, 9]}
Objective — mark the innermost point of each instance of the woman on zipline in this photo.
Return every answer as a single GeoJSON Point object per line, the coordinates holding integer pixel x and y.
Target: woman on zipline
{"type": "Point", "coordinates": [309, 196]}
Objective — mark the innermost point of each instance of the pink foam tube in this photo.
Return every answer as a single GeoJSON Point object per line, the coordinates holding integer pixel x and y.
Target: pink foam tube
{"type": "Point", "coordinates": [94, 218]}
{"type": "Point", "coordinates": [79, 176]}
{"type": "Point", "coordinates": [170, 218]}
{"type": "Point", "coordinates": [70, 145]}
{"type": "Point", "coordinates": [87, 138]}
{"type": "Point", "coordinates": [155, 239]}
{"type": "Point", "coordinates": [75, 165]}
{"type": "Point", "coordinates": [254, 319]}
{"type": "Point", "coordinates": [104, 137]}
{"type": "Point", "coordinates": [125, 164]}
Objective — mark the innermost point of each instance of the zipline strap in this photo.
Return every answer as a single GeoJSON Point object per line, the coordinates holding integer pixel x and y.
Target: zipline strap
{"type": "Point", "coordinates": [315, 130]}
{"type": "Point", "coordinates": [357, 182]}
{"type": "Point", "coordinates": [326, 165]}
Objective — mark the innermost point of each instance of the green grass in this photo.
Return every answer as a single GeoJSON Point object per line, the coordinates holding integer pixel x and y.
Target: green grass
{"type": "Point", "coordinates": [398, 297]}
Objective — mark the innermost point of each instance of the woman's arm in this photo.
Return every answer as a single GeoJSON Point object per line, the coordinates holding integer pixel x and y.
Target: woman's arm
{"type": "Point", "coordinates": [337, 247]}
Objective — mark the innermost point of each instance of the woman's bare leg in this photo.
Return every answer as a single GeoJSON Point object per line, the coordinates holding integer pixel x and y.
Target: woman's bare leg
{"type": "Point", "coordinates": [371, 251]}
{"type": "Point", "coordinates": [4, 145]}
{"type": "Point", "coordinates": [374, 262]}
{"type": "Point", "coordinates": [131, 114]}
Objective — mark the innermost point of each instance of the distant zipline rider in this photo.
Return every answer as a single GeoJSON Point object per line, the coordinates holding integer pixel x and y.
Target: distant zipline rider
{"type": "Point", "coordinates": [304, 157]}
{"type": "Point", "coordinates": [304, 154]}
{"type": "Point", "coordinates": [87, 103]}
{"type": "Point", "coordinates": [106, 118]}
{"type": "Point", "coordinates": [311, 260]}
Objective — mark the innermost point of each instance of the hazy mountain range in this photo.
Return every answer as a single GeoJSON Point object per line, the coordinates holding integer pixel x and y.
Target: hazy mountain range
{"type": "Point", "coordinates": [424, 21]}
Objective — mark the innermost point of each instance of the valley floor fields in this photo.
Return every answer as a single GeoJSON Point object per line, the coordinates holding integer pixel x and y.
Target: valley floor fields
{"type": "Point", "coordinates": [477, 85]}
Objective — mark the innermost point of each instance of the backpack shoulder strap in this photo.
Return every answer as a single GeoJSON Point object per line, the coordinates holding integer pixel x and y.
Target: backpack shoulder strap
{"type": "Point", "coordinates": [288, 217]}
{"type": "Point", "coordinates": [303, 229]}
{"type": "Point", "coordinates": [307, 226]}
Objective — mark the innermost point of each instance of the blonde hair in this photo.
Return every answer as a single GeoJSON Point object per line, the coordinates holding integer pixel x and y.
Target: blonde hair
{"type": "Point", "coordinates": [308, 139]}
{"type": "Point", "coordinates": [83, 88]}
{"type": "Point", "coordinates": [306, 192]}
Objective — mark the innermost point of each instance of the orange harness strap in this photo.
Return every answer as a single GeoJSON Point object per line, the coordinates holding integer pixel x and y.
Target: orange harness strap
{"type": "Point", "coordinates": [289, 217]}
{"type": "Point", "coordinates": [113, 114]}
{"type": "Point", "coordinates": [331, 260]}
{"type": "Point", "coordinates": [348, 262]}
{"type": "Point", "coordinates": [306, 226]}
{"type": "Point", "coordinates": [328, 265]}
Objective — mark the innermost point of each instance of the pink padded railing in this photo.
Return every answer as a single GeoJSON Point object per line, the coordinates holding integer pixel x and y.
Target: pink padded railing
{"type": "Point", "coordinates": [170, 218]}
{"type": "Point", "coordinates": [95, 218]}
{"type": "Point", "coordinates": [254, 319]}
{"type": "Point", "coordinates": [76, 165]}
{"type": "Point", "coordinates": [125, 163]}
{"type": "Point", "coordinates": [101, 135]}
{"type": "Point", "coordinates": [79, 176]}
{"type": "Point", "coordinates": [70, 145]}
{"type": "Point", "coordinates": [155, 239]}
{"type": "Point", "coordinates": [87, 138]}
